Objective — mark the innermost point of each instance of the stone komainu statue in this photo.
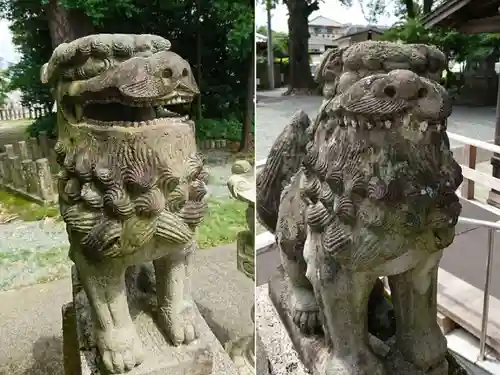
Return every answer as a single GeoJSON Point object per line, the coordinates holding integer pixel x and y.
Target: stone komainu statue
{"type": "Point", "coordinates": [131, 184]}
{"type": "Point", "coordinates": [366, 190]}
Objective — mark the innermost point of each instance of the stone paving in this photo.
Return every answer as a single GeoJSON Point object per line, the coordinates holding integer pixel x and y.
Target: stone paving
{"type": "Point", "coordinates": [274, 111]}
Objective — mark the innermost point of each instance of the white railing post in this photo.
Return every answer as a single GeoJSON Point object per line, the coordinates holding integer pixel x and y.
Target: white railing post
{"type": "Point", "coordinates": [486, 297]}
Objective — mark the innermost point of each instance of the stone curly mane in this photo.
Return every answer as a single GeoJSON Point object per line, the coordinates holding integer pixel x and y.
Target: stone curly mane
{"type": "Point", "coordinates": [110, 188]}
{"type": "Point", "coordinates": [89, 56]}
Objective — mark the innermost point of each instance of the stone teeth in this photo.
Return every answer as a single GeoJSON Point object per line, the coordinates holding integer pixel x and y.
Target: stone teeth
{"type": "Point", "coordinates": [406, 120]}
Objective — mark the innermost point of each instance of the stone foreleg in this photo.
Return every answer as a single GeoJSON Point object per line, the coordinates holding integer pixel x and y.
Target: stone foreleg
{"type": "Point", "coordinates": [419, 338]}
{"type": "Point", "coordinates": [344, 295]}
{"type": "Point", "coordinates": [117, 340]}
{"type": "Point", "coordinates": [174, 298]}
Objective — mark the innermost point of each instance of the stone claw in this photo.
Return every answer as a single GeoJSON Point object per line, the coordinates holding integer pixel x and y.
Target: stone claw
{"type": "Point", "coordinates": [179, 329]}
{"type": "Point", "coordinates": [305, 311]}
{"type": "Point", "coordinates": [307, 321]}
{"type": "Point", "coordinates": [120, 348]}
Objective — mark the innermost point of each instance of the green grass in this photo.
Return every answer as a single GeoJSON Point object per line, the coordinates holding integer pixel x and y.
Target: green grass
{"type": "Point", "coordinates": [27, 267]}
{"type": "Point", "coordinates": [224, 219]}
{"type": "Point", "coordinates": [26, 210]}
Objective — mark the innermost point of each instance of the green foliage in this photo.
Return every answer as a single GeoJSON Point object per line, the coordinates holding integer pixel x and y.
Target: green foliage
{"type": "Point", "coordinates": [457, 46]}
{"type": "Point", "coordinates": [279, 40]}
{"type": "Point", "coordinates": [47, 124]}
{"type": "Point", "coordinates": [230, 129]}
{"type": "Point", "coordinates": [225, 28]}
{"type": "Point", "coordinates": [31, 36]}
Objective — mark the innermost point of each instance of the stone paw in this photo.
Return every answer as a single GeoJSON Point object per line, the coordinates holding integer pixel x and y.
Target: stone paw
{"type": "Point", "coordinates": [120, 348]}
{"type": "Point", "coordinates": [305, 312]}
{"type": "Point", "coordinates": [179, 328]}
{"type": "Point", "coordinates": [425, 351]}
{"type": "Point", "coordinates": [307, 321]}
{"type": "Point", "coordinates": [362, 363]}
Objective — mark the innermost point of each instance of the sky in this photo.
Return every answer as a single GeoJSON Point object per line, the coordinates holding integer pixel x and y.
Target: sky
{"type": "Point", "coordinates": [328, 8]}
{"type": "Point", "coordinates": [7, 49]}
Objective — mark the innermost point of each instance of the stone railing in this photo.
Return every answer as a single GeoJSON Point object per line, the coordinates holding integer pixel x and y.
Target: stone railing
{"type": "Point", "coordinates": [21, 113]}
{"type": "Point", "coordinates": [25, 169]}
{"type": "Point", "coordinates": [242, 187]}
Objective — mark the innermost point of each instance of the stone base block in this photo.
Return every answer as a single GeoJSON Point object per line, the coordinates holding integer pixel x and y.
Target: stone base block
{"type": "Point", "coordinates": [202, 357]}
{"type": "Point", "coordinates": [312, 351]}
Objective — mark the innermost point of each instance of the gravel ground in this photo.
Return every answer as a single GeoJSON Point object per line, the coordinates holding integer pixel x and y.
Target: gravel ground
{"type": "Point", "coordinates": [32, 252]}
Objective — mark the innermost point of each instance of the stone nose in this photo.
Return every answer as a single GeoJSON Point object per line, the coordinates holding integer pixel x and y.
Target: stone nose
{"type": "Point", "coordinates": [404, 84]}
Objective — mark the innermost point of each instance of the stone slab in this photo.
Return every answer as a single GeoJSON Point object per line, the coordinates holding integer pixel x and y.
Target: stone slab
{"type": "Point", "coordinates": [262, 362]}
{"type": "Point", "coordinates": [203, 356]}
{"type": "Point", "coordinates": [277, 347]}
{"type": "Point", "coordinates": [312, 350]}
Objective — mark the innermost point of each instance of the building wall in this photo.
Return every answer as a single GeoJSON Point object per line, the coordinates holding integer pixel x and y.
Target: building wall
{"type": "Point", "coordinates": [329, 32]}
{"type": "Point", "coordinates": [361, 37]}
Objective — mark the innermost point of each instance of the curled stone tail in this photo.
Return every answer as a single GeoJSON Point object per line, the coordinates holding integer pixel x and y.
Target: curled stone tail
{"type": "Point", "coordinates": [283, 162]}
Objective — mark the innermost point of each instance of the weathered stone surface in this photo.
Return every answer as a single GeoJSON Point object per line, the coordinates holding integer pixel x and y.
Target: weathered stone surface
{"type": "Point", "coordinates": [34, 149]}
{"type": "Point", "coordinates": [366, 190]}
{"type": "Point", "coordinates": [22, 150]}
{"type": "Point", "coordinates": [131, 186]}
{"type": "Point", "coordinates": [203, 356]}
{"type": "Point", "coordinates": [30, 176]}
{"type": "Point", "coordinates": [16, 172]}
{"type": "Point", "coordinates": [44, 179]}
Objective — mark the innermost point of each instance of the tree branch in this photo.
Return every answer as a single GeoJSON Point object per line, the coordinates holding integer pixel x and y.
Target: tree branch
{"type": "Point", "coordinates": [312, 6]}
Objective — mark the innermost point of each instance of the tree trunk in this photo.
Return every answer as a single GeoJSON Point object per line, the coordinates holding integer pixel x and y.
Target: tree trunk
{"type": "Point", "coordinates": [301, 80]}
{"type": "Point", "coordinates": [410, 9]}
{"type": "Point", "coordinates": [246, 140]}
{"type": "Point", "coordinates": [427, 6]}
{"type": "Point", "coordinates": [66, 25]}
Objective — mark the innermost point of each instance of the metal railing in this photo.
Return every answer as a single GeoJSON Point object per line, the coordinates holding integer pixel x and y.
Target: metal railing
{"type": "Point", "coordinates": [492, 228]}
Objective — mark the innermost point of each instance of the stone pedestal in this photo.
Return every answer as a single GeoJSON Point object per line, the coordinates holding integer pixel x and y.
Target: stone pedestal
{"type": "Point", "coordinates": [203, 356]}
{"type": "Point", "coordinates": [312, 350]}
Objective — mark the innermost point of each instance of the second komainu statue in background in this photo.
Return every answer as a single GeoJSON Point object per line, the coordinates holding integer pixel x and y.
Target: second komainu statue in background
{"type": "Point", "coordinates": [366, 190]}
{"type": "Point", "coordinates": [131, 186]}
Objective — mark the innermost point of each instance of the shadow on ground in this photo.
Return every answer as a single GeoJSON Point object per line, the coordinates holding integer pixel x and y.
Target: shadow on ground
{"type": "Point", "coordinates": [219, 331]}
{"type": "Point", "coordinates": [46, 359]}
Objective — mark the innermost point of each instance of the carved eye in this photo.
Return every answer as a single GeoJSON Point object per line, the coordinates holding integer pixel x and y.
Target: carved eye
{"type": "Point", "coordinates": [167, 73]}
{"type": "Point", "coordinates": [185, 72]}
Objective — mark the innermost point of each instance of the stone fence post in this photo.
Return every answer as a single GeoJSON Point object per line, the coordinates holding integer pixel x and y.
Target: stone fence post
{"type": "Point", "coordinates": [242, 187]}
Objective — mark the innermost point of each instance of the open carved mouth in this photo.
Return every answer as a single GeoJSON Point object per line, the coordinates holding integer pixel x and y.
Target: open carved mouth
{"type": "Point", "coordinates": [116, 112]}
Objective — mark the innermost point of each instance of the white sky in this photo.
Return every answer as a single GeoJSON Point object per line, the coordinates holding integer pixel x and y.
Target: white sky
{"type": "Point", "coordinates": [328, 8]}
{"type": "Point", "coordinates": [7, 49]}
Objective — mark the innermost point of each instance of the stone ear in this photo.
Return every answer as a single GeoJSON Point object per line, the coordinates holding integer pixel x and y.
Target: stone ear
{"type": "Point", "coordinates": [330, 66]}
{"type": "Point", "coordinates": [44, 74]}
